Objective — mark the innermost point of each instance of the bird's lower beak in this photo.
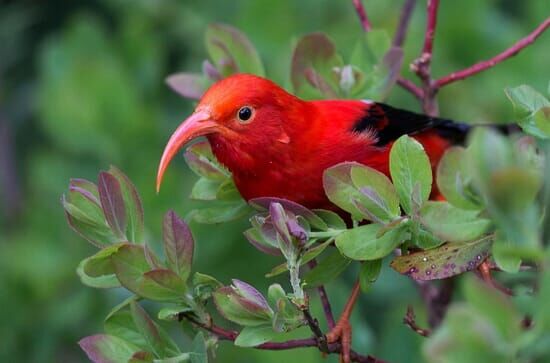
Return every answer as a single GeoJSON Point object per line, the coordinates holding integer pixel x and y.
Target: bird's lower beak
{"type": "Point", "coordinates": [200, 123]}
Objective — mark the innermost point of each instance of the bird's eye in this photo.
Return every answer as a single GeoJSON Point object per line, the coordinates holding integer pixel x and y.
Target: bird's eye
{"type": "Point", "coordinates": [244, 114]}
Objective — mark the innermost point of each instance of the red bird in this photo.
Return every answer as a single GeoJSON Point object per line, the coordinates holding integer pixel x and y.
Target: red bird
{"type": "Point", "coordinates": [277, 145]}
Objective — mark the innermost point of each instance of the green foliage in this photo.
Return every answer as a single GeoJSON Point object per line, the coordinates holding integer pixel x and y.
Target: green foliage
{"type": "Point", "coordinates": [96, 72]}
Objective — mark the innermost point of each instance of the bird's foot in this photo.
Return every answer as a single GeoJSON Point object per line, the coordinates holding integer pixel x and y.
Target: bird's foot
{"type": "Point", "coordinates": [342, 333]}
{"type": "Point", "coordinates": [342, 330]}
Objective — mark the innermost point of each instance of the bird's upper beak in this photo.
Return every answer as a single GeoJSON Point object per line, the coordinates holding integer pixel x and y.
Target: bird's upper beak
{"type": "Point", "coordinates": [200, 123]}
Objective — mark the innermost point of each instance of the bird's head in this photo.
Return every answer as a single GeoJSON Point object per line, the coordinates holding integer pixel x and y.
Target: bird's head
{"type": "Point", "coordinates": [242, 116]}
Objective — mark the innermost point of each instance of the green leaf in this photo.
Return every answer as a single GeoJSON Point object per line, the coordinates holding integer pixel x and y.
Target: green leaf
{"type": "Point", "coordinates": [132, 205]}
{"type": "Point", "coordinates": [424, 239]}
{"type": "Point", "coordinates": [379, 195]}
{"type": "Point", "coordinates": [453, 179]}
{"type": "Point", "coordinates": [121, 325]}
{"type": "Point", "coordinates": [466, 335]}
{"type": "Point", "coordinates": [204, 285]}
{"type": "Point", "coordinates": [328, 269]}
{"type": "Point", "coordinates": [178, 245]}
{"type": "Point", "coordinates": [163, 284]}
{"type": "Point", "coordinates": [340, 189]}
{"type": "Point", "coordinates": [366, 243]}
{"type": "Point", "coordinates": [529, 107]}
{"type": "Point", "coordinates": [263, 204]}
{"type": "Point", "coordinates": [148, 329]}
{"type": "Point", "coordinates": [503, 253]}
{"type": "Point", "coordinates": [495, 306]}
{"type": "Point", "coordinates": [331, 219]}
{"type": "Point", "coordinates": [202, 161]}
{"type": "Point", "coordinates": [252, 336]}
{"type": "Point", "coordinates": [220, 212]}
{"type": "Point", "coordinates": [172, 313]}
{"type": "Point", "coordinates": [198, 352]}
{"type": "Point", "coordinates": [97, 270]}
{"type": "Point", "coordinates": [452, 224]}
{"type": "Point", "coordinates": [231, 51]}
{"type": "Point", "coordinates": [103, 348]}
{"type": "Point", "coordinates": [410, 166]}
{"type": "Point", "coordinates": [205, 189]}
{"type": "Point", "coordinates": [370, 270]}
{"type": "Point", "coordinates": [188, 85]}
{"type": "Point", "coordinates": [445, 261]}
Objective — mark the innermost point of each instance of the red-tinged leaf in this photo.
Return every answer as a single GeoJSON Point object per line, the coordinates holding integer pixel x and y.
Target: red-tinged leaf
{"type": "Point", "coordinates": [202, 161]}
{"type": "Point", "coordinates": [445, 261]}
{"type": "Point", "coordinates": [133, 206]}
{"type": "Point", "coordinates": [148, 329]}
{"type": "Point", "coordinates": [132, 268]}
{"type": "Point", "coordinates": [98, 235]}
{"type": "Point", "coordinates": [103, 348]}
{"type": "Point", "coordinates": [263, 203]}
{"type": "Point", "coordinates": [86, 185]}
{"type": "Point", "coordinates": [340, 188]}
{"type": "Point", "coordinates": [314, 56]}
{"type": "Point", "coordinates": [392, 65]}
{"type": "Point", "coordinates": [257, 240]}
{"type": "Point", "coordinates": [86, 188]}
{"type": "Point", "coordinates": [231, 51]}
{"type": "Point", "coordinates": [210, 71]}
{"type": "Point", "coordinates": [112, 202]}
{"type": "Point", "coordinates": [250, 293]}
{"type": "Point", "coordinates": [178, 244]}
{"type": "Point", "coordinates": [188, 85]}
{"type": "Point", "coordinates": [240, 310]}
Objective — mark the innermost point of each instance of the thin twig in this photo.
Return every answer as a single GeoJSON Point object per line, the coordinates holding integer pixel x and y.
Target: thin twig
{"type": "Point", "coordinates": [410, 321]}
{"type": "Point", "coordinates": [360, 10]}
{"type": "Point", "coordinates": [411, 87]}
{"type": "Point", "coordinates": [404, 20]}
{"type": "Point", "coordinates": [484, 65]}
{"type": "Point", "coordinates": [421, 65]}
{"type": "Point", "coordinates": [327, 309]}
{"type": "Point", "coordinates": [231, 335]}
{"type": "Point", "coordinates": [316, 330]}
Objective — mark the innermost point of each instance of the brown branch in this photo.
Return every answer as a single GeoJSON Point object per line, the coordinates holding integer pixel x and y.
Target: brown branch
{"type": "Point", "coordinates": [320, 337]}
{"type": "Point", "coordinates": [484, 65]}
{"type": "Point", "coordinates": [410, 321]}
{"type": "Point", "coordinates": [360, 10]}
{"type": "Point", "coordinates": [411, 87]}
{"type": "Point", "coordinates": [404, 20]}
{"type": "Point", "coordinates": [231, 335]}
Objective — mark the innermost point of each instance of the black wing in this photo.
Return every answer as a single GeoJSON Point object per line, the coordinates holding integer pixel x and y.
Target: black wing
{"type": "Point", "coordinates": [390, 123]}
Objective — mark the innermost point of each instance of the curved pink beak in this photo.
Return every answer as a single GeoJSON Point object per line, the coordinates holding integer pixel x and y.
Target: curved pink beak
{"type": "Point", "coordinates": [198, 124]}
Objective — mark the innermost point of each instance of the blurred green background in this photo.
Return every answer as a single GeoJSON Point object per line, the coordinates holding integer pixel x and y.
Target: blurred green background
{"type": "Point", "coordinates": [82, 87]}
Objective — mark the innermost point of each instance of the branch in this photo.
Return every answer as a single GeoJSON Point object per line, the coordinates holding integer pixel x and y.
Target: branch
{"type": "Point", "coordinates": [410, 321]}
{"type": "Point", "coordinates": [421, 66]}
{"type": "Point", "coordinates": [436, 299]}
{"type": "Point", "coordinates": [404, 19]}
{"type": "Point", "coordinates": [327, 309]}
{"type": "Point", "coordinates": [397, 41]}
{"type": "Point", "coordinates": [360, 10]}
{"type": "Point", "coordinates": [483, 65]}
{"type": "Point", "coordinates": [411, 87]}
{"type": "Point", "coordinates": [231, 335]}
